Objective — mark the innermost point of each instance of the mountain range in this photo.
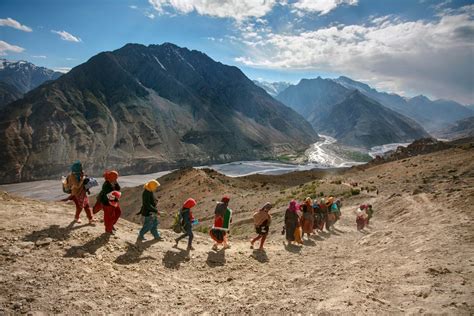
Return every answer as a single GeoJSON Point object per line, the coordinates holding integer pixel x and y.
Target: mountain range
{"type": "Point", "coordinates": [19, 77]}
{"type": "Point", "coordinates": [354, 119]}
{"type": "Point", "coordinates": [432, 115]}
{"type": "Point", "coordinates": [142, 109]}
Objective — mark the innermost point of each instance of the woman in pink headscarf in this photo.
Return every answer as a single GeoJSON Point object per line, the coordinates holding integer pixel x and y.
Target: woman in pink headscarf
{"type": "Point", "coordinates": [292, 223]}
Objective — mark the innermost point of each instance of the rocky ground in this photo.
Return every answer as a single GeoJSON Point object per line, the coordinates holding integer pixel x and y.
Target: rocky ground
{"type": "Point", "coordinates": [417, 256]}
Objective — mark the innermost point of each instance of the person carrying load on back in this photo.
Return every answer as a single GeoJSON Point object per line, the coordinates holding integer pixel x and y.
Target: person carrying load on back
{"type": "Point", "coordinates": [149, 211]}
{"type": "Point", "coordinates": [370, 213]}
{"type": "Point", "coordinates": [292, 223]}
{"type": "Point", "coordinates": [262, 222]}
{"type": "Point", "coordinates": [187, 219]}
{"type": "Point", "coordinates": [361, 217]}
{"type": "Point", "coordinates": [75, 182]}
{"type": "Point", "coordinates": [222, 220]}
{"type": "Point", "coordinates": [108, 201]}
{"type": "Point", "coordinates": [307, 221]}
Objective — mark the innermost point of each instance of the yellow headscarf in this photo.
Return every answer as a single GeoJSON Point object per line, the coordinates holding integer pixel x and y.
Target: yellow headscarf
{"type": "Point", "coordinates": [151, 185]}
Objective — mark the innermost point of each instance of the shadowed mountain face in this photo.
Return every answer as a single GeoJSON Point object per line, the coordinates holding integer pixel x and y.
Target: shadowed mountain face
{"type": "Point", "coordinates": [8, 94]}
{"type": "Point", "coordinates": [25, 76]}
{"type": "Point", "coordinates": [313, 98]}
{"type": "Point", "coordinates": [350, 117]}
{"type": "Point", "coordinates": [142, 109]}
{"type": "Point", "coordinates": [362, 122]}
{"type": "Point", "coordinates": [432, 115]}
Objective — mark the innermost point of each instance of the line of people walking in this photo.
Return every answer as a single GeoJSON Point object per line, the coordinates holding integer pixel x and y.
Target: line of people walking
{"type": "Point", "coordinates": [310, 217]}
{"type": "Point", "coordinates": [307, 218]}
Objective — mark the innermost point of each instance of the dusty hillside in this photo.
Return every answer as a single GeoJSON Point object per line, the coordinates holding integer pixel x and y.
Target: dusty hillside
{"type": "Point", "coordinates": [418, 256]}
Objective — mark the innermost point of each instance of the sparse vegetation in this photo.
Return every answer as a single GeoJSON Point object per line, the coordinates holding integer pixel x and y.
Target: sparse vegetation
{"type": "Point", "coordinates": [355, 191]}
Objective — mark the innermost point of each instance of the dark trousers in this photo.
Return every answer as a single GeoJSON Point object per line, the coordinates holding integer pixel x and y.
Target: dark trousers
{"type": "Point", "coordinates": [188, 233]}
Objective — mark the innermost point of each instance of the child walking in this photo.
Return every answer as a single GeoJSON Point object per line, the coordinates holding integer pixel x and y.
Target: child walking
{"type": "Point", "coordinates": [187, 219]}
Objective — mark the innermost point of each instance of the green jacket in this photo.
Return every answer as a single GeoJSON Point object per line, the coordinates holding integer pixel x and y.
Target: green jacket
{"type": "Point", "coordinates": [148, 203]}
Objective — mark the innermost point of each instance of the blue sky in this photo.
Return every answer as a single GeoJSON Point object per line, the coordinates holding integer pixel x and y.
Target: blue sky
{"type": "Point", "coordinates": [405, 46]}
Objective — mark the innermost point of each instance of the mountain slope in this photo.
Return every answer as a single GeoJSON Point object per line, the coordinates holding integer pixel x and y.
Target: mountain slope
{"type": "Point", "coordinates": [436, 114]}
{"type": "Point", "coordinates": [8, 93]}
{"type": "Point", "coordinates": [361, 121]}
{"type": "Point", "coordinates": [460, 129]}
{"type": "Point", "coordinates": [272, 88]}
{"type": "Point", "coordinates": [432, 115]}
{"type": "Point", "coordinates": [25, 76]}
{"type": "Point", "coordinates": [313, 98]}
{"type": "Point", "coordinates": [142, 109]}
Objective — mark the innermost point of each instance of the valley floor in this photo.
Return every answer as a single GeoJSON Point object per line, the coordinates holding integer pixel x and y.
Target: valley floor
{"type": "Point", "coordinates": [417, 256]}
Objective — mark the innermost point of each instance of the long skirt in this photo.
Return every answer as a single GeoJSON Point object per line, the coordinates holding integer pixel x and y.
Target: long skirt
{"type": "Point", "coordinates": [308, 223]}
{"type": "Point", "coordinates": [318, 221]}
{"type": "Point", "coordinates": [218, 235]}
{"type": "Point", "coordinates": [360, 221]}
{"type": "Point", "coordinates": [330, 220]}
{"type": "Point", "coordinates": [290, 231]}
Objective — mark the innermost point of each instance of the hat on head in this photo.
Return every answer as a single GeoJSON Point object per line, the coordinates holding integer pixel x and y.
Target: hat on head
{"type": "Point", "coordinates": [190, 203]}
{"type": "Point", "coordinates": [225, 199]}
{"type": "Point", "coordinates": [151, 185]}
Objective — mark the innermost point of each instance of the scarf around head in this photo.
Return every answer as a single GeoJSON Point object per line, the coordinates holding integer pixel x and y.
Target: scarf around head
{"type": "Point", "coordinates": [111, 175]}
{"type": "Point", "coordinates": [294, 207]}
{"type": "Point", "coordinates": [76, 169]}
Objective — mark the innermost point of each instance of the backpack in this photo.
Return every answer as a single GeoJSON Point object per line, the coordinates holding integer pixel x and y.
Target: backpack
{"type": "Point", "coordinates": [65, 185]}
{"type": "Point", "coordinates": [177, 228]}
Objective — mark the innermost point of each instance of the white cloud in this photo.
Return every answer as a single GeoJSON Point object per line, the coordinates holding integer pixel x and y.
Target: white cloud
{"type": "Point", "coordinates": [15, 24]}
{"type": "Point", "coordinates": [65, 36]}
{"type": "Point", "coordinates": [236, 9]}
{"type": "Point", "coordinates": [149, 15]}
{"type": "Point", "coordinates": [431, 56]}
{"type": "Point", "coordinates": [39, 56]}
{"type": "Point", "coordinates": [5, 48]}
{"type": "Point", "coordinates": [321, 6]}
{"type": "Point", "coordinates": [62, 69]}
{"type": "Point", "coordinates": [134, 7]}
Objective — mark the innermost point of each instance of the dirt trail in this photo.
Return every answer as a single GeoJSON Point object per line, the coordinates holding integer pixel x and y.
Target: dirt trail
{"type": "Point", "coordinates": [62, 267]}
{"type": "Point", "coordinates": [417, 257]}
